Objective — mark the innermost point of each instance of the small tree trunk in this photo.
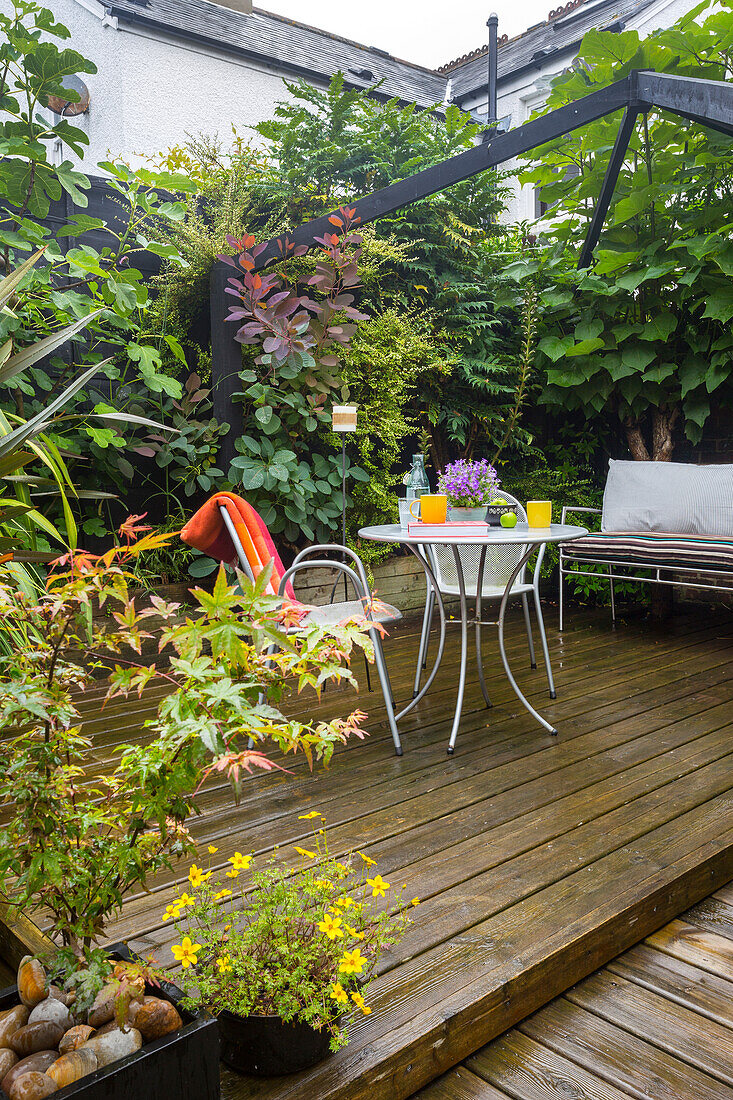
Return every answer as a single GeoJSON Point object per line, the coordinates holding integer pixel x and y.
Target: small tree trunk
{"type": "Point", "coordinates": [635, 439]}
{"type": "Point", "coordinates": [663, 422]}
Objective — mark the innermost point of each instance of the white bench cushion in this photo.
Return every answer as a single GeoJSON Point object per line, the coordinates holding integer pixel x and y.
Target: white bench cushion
{"type": "Point", "coordinates": [676, 497]}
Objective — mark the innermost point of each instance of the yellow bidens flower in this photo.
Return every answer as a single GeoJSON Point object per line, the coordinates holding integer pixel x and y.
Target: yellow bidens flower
{"type": "Point", "coordinates": [196, 876]}
{"type": "Point", "coordinates": [353, 962]}
{"type": "Point", "coordinates": [331, 927]}
{"type": "Point", "coordinates": [344, 902]}
{"type": "Point", "coordinates": [353, 932]}
{"type": "Point", "coordinates": [239, 862]}
{"type": "Point", "coordinates": [324, 883]}
{"type": "Point", "coordinates": [184, 900]}
{"type": "Point", "coordinates": [339, 994]}
{"type": "Point", "coordinates": [223, 964]}
{"type": "Point", "coordinates": [172, 912]}
{"type": "Point", "coordinates": [360, 1003]}
{"type": "Point", "coordinates": [212, 850]}
{"type": "Point", "coordinates": [369, 862]}
{"type": "Point", "coordinates": [305, 853]}
{"type": "Point", "coordinates": [232, 874]}
{"type": "Point", "coordinates": [310, 816]}
{"type": "Point", "coordinates": [378, 885]}
{"type": "Point", "coordinates": [221, 894]}
{"type": "Point", "coordinates": [185, 952]}
{"type": "Point", "coordinates": [415, 901]}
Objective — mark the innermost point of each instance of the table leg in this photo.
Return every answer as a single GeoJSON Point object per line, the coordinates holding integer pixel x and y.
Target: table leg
{"type": "Point", "coordinates": [441, 641]}
{"type": "Point", "coordinates": [479, 656]}
{"type": "Point", "coordinates": [464, 652]}
{"type": "Point", "coordinates": [424, 636]}
{"type": "Point", "coordinates": [502, 611]}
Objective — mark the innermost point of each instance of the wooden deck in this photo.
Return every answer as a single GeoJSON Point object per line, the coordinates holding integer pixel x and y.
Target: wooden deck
{"type": "Point", "coordinates": [655, 1024]}
{"type": "Point", "coordinates": [537, 859]}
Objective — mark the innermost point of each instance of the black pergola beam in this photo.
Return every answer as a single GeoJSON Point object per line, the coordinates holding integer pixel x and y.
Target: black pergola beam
{"type": "Point", "coordinates": [500, 148]}
{"type": "Point", "coordinates": [623, 137]}
{"type": "Point", "coordinates": [707, 102]}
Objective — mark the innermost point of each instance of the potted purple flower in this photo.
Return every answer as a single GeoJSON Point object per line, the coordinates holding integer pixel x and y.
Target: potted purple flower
{"type": "Point", "coordinates": [470, 487]}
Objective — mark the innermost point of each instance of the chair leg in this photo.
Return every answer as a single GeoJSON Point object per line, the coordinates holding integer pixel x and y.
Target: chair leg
{"type": "Point", "coordinates": [528, 624]}
{"type": "Point", "coordinates": [431, 609]}
{"type": "Point", "coordinates": [543, 639]}
{"type": "Point", "coordinates": [613, 599]}
{"type": "Point", "coordinates": [384, 680]}
{"type": "Point", "coordinates": [422, 652]}
{"type": "Point", "coordinates": [561, 593]}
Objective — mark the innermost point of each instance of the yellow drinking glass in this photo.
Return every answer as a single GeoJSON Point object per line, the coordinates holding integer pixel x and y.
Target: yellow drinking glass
{"type": "Point", "coordinates": [539, 513]}
{"type": "Point", "coordinates": [433, 508]}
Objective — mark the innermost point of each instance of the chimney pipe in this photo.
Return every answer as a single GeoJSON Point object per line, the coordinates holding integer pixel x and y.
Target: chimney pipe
{"type": "Point", "coordinates": [492, 23]}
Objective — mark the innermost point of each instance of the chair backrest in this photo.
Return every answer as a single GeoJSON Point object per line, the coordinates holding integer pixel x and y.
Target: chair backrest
{"type": "Point", "coordinates": [499, 564]}
{"type": "Point", "coordinates": [253, 543]}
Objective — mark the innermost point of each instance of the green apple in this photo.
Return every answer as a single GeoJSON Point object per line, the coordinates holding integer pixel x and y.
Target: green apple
{"type": "Point", "coordinates": [509, 519]}
{"type": "Point", "coordinates": [498, 500]}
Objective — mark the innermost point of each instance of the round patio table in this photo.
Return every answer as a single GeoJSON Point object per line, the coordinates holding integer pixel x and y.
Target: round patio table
{"type": "Point", "coordinates": [530, 538]}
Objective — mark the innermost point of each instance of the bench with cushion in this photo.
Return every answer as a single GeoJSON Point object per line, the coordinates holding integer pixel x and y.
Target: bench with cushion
{"type": "Point", "coordinates": [672, 519]}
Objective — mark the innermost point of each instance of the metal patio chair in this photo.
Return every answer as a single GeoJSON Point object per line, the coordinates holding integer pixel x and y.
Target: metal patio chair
{"type": "Point", "coordinates": [499, 565]}
{"type": "Point", "coordinates": [334, 612]}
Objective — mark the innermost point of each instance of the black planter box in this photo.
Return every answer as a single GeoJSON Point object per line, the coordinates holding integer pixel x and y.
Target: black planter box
{"type": "Point", "coordinates": [181, 1066]}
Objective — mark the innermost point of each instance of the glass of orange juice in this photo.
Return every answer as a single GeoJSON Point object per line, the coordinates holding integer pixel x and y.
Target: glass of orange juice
{"type": "Point", "coordinates": [433, 508]}
{"type": "Point", "coordinates": [539, 513]}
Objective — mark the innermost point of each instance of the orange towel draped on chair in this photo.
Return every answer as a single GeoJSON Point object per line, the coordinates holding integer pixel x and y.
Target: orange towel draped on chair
{"type": "Point", "coordinates": [207, 532]}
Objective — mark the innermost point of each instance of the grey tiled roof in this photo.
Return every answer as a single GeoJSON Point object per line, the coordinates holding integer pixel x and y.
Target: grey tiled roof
{"type": "Point", "coordinates": [273, 39]}
{"type": "Point", "coordinates": [557, 36]}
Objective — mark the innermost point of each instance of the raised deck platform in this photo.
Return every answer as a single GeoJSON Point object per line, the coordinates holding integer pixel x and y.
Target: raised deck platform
{"type": "Point", "coordinates": [537, 859]}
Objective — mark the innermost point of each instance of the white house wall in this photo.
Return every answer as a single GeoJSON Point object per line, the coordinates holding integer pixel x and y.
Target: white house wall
{"type": "Point", "coordinates": [150, 91]}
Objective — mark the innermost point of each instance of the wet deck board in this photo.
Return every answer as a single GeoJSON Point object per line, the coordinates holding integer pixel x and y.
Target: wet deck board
{"type": "Point", "coordinates": [649, 1025]}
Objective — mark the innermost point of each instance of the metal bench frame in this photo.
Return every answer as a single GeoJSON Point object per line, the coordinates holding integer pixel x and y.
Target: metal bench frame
{"type": "Point", "coordinates": [655, 568]}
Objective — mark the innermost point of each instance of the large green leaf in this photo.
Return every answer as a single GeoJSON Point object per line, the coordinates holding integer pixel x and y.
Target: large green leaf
{"type": "Point", "coordinates": [555, 347]}
{"type": "Point", "coordinates": [585, 347]}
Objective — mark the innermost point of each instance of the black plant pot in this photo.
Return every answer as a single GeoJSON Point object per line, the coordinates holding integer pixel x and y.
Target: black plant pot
{"type": "Point", "coordinates": [266, 1047]}
{"type": "Point", "coordinates": [494, 512]}
{"type": "Point", "coordinates": [181, 1066]}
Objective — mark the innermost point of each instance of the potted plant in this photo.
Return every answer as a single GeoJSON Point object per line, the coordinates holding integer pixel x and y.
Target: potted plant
{"type": "Point", "coordinates": [75, 841]}
{"type": "Point", "coordinates": [282, 952]}
{"type": "Point", "coordinates": [470, 487]}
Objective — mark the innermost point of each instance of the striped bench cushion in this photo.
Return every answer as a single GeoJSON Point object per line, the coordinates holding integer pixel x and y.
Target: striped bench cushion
{"type": "Point", "coordinates": [654, 548]}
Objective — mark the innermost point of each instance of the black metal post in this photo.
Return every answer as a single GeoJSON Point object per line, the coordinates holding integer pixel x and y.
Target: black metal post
{"type": "Point", "coordinates": [492, 23]}
{"type": "Point", "coordinates": [499, 148]}
{"type": "Point", "coordinates": [623, 137]}
{"type": "Point", "coordinates": [343, 490]}
{"type": "Point", "coordinates": [226, 363]}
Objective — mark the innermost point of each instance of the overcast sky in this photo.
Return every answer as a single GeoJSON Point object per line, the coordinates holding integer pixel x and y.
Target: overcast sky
{"type": "Point", "coordinates": [429, 32]}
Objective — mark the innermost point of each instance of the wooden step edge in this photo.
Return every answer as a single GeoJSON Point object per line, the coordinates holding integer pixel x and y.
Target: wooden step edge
{"type": "Point", "coordinates": [19, 936]}
{"type": "Point", "coordinates": [408, 1063]}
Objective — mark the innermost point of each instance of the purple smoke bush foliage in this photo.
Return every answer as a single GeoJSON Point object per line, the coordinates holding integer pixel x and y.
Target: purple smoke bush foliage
{"type": "Point", "coordinates": [469, 484]}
